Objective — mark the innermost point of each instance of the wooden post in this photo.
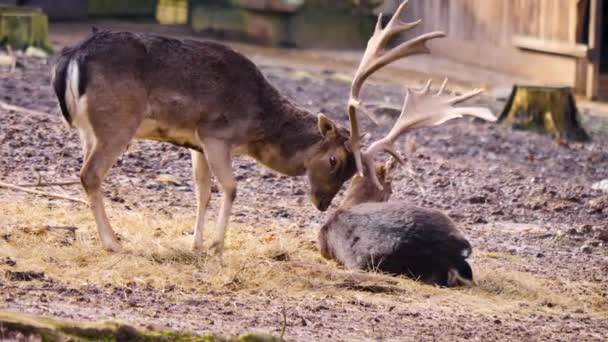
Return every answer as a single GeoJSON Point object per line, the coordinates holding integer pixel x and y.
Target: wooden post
{"type": "Point", "coordinates": [595, 46]}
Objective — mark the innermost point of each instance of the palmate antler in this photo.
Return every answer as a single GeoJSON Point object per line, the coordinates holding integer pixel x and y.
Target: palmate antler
{"type": "Point", "coordinates": [420, 109]}
{"type": "Point", "coordinates": [376, 57]}
{"type": "Point", "coordinates": [423, 109]}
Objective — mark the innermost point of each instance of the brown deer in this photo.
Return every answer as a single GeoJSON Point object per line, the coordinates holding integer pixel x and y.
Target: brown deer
{"type": "Point", "coordinates": [397, 237]}
{"type": "Point", "coordinates": [118, 86]}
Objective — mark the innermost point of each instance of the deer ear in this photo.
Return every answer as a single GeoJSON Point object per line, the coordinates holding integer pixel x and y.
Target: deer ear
{"type": "Point", "coordinates": [382, 172]}
{"type": "Point", "coordinates": [326, 126]}
{"type": "Point", "coordinates": [388, 168]}
{"type": "Point", "coordinates": [391, 165]}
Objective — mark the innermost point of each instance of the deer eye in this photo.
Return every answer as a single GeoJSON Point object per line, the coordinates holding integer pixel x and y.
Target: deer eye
{"type": "Point", "coordinates": [333, 161]}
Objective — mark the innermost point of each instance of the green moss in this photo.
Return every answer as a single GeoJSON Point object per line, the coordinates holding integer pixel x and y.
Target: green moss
{"type": "Point", "coordinates": [308, 26]}
{"type": "Point", "coordinates": [122, 8]}
{"type": "Point", "coordinates": [51, 330]}
{"type": "Point", "coordinates": [24, 26]}
{"type": "Point", "coordinates": [332, 28]}
{"type": "Point", "coordinates": [218, 18]}
{"type": "Point", "coordinates": [257, 338]}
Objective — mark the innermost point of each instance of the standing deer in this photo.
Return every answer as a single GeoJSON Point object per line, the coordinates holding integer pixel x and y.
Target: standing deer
{"type": "Point", "coordinates": [397, 237]}
{"type": "Point", "coordinates": [118, 86]}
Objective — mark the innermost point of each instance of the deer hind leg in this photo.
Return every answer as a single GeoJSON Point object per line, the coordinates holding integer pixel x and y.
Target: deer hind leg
{"type": "Point", "coordinates": [87, 140]}
{"type": "Point", "coordinates": [202, 184]}
{"type": "Point", "coordinates": [101, 157]}
{"type": "Point", "coordinates": [103, 143]}
{"type": "Point", "coordinates": [218, 157]}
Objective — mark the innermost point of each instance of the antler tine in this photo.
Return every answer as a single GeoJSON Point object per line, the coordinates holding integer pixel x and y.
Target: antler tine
{"type": "Point", "coordinates": [466, 96]}
{"type": "Point", "coordinates": [445, 82]}
{"type": "Point", "coordinates": [423, 109]}
{"type": "Point", "coordinates": [375, 57]}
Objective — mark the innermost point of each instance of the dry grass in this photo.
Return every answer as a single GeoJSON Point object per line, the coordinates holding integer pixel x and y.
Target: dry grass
{"type": "Point", "coordinates": [279, 261]}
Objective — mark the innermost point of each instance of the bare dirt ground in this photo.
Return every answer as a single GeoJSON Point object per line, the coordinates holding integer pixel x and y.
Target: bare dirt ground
{"type": "Point", "coordinates": [525, 201]}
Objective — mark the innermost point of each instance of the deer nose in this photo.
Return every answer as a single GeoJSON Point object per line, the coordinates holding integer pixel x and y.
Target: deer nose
{"type": "Point", "coordinates": [322, 203]}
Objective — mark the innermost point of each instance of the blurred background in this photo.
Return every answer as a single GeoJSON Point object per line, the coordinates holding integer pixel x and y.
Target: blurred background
{"type": "Point", "coordinates": [557, 43]}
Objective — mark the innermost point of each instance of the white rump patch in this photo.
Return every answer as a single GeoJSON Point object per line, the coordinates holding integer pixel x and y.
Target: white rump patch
{"type": "Point", "coordinates": [71, 89]}
{"type": "Point", "coordinates": [466, 253]}
{"type": "Point", "coordinates": [77, 105]}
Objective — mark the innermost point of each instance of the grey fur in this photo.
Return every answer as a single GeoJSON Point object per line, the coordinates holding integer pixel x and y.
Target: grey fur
{"type": "Point", "coordinates": [395, 237]}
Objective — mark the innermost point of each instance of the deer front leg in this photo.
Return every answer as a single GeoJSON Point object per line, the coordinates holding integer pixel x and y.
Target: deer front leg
{"type": "Point", "coordinates": [218, 157]}
{"type": "Point", "coordinates": [202, 184]}
{"type": "Point", "coordinates": [101, 157]}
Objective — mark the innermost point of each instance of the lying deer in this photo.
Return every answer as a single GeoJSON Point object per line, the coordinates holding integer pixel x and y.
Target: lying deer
{"type": "Point", "coordinates": [118, 86]}
{"type": "Point", "coordinates": [366, 232]}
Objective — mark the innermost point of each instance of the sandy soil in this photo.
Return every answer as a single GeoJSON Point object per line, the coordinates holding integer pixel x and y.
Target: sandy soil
{"type": "Point", "coordinates": [524, 200]}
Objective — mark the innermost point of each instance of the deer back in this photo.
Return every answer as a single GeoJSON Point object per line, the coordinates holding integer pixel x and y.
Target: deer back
{"type": "Point", "coordinates": [186, 84]}
{"type": "Point", "coordinates": [186, 91]}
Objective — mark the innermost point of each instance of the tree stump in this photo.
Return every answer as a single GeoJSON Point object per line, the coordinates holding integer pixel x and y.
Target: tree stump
{"type": "Point", "coordinates": [21, 27]}
{"type": "Point", "coordinates": [544, 109]}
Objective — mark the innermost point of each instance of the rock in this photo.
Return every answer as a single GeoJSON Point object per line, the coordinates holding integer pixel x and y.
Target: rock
{"type": "Point", "coordinates": [167, 179]}
{"type": "Point", "coordinates": [24, 276]}
{"type": "Point", "coordinates": [572, 231]}
{"type": "Point", "coordinates": [7, 60]}
{"type": "Point", "coordinates": [601, 185]}
{"type": "Point", "coordinates": [9, 261]}
{"type": "Point", "coordinates": [281, 213]}
{"type": "Point", "coordinates": [597, 205]}
{"type": "Point", "coordinates": [586, 228]}
{"type": "Point", "coordinates": [476, 219]}
{"type": "Point", "coordinates": [32, 51]}
{"type": "Point", "coordinates": [479, 199]}
{"type": "Point", "coordinates": [601, 233]}
{"type": "Point", "coordinates": [586, 249]}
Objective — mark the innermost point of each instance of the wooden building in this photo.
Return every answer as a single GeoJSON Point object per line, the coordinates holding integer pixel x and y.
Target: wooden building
{"type": "Point", "coordinates": [556, 42]}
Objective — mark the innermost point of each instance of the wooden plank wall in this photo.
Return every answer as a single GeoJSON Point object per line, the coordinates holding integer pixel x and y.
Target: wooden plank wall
{"type": "Point", "coordinates": [481, 32]}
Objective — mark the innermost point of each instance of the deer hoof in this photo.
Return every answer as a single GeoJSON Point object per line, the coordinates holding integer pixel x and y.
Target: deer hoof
{"type": "Point", "coordinates": [217, 248]}
{"type": "Point", "coordinates": [112, 246]}
{"type": "Point", "coordinates": [197, 246]}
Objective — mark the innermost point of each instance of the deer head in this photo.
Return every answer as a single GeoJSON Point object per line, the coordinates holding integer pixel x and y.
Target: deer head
{"type": "Point", "coordinates": [331, 165]}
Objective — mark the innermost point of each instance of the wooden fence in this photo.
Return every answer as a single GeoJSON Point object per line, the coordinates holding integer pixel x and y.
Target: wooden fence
{"type": "Point", "coordinates": [546, 40]}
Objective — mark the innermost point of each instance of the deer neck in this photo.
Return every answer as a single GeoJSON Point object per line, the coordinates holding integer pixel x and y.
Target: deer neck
{"type": "Point", "coordinates": [290, 140]}
{"type": "Point", "coordinates": [354, 197]}
{"type": "Point", "coordinates": [363, 190]}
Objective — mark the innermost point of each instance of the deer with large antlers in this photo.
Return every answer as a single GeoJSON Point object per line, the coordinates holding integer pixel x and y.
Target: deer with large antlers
{"type": "Point", "coordinates": [397, 237]}
{"type": "Point", "coordinates": [367, 232]}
